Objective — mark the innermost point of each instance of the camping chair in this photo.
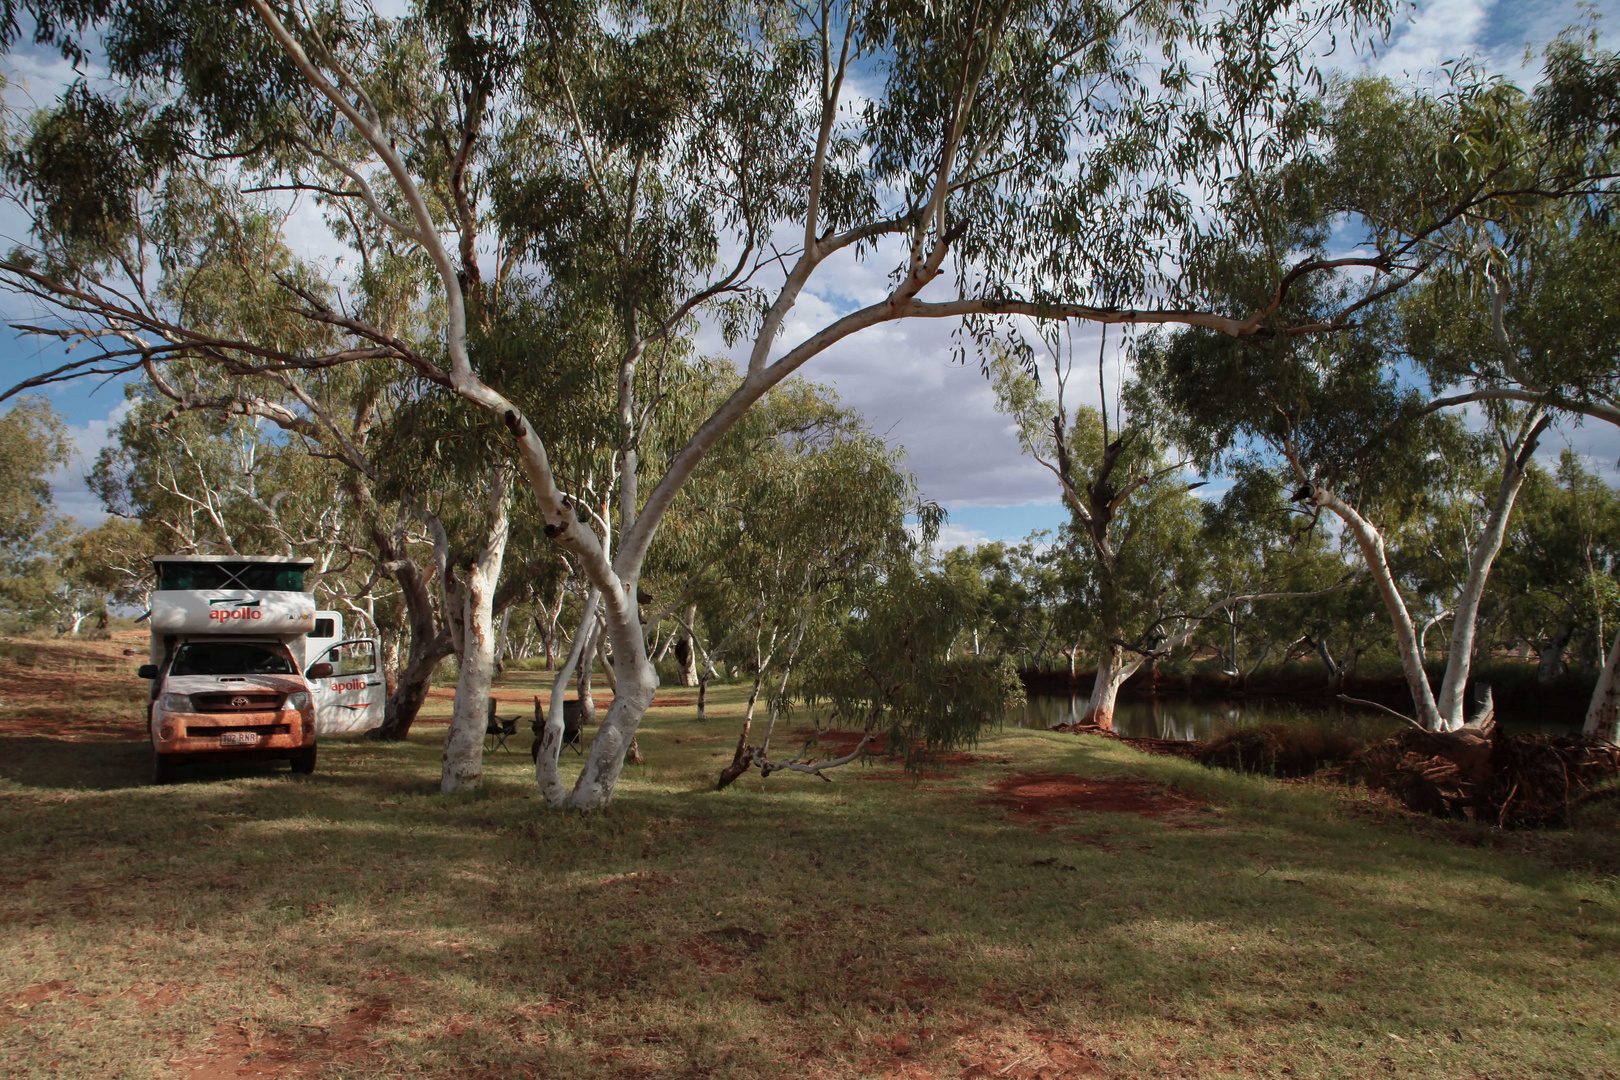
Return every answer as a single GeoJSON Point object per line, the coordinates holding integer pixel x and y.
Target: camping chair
{"type": "Point", "coordinates": [571, 727]}
{"type": "Point", "coordinates": [498, 731]}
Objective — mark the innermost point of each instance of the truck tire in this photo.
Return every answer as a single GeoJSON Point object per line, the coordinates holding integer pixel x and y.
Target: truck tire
{"type": "Point", "coordinates": [303, 761]}
{"type": "Point", "coordinates": [163, 768]}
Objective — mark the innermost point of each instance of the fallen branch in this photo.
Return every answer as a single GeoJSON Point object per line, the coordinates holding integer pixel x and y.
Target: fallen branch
{"type": "Point", "coordinates": [1382, 708]}
{"type": "Point", "coordinates": [766, 766]}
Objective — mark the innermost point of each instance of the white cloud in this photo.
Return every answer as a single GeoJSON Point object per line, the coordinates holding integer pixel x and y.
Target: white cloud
{"type": "Point", "coordinates": [68, 487]}
{"type": "Point", "coordinates": [954, 536]}
{"type": "Point", "coordinates": [1437, 31]}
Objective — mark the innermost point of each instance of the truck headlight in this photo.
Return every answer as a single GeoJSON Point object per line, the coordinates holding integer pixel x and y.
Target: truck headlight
{"type": "Point", "coordinates": [299, 701]}
{"type": "Point", "coordinates": [175, 703]}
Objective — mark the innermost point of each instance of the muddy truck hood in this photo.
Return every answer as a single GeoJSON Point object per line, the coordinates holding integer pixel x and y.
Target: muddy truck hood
{"type": "Point", "coordinates": [225, 684]}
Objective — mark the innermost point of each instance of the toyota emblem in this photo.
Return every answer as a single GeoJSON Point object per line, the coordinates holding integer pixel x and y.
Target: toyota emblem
{"type": "Point", "coordinates": [239, 702]}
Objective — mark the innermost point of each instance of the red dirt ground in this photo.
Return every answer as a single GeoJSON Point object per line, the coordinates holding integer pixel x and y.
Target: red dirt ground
{"type": "Point", "coordinates": [235, 1053]}
{"type": "Point", "coordinates": [1038, 795]}
{"type": "Point", "coordinates": [39, 681]}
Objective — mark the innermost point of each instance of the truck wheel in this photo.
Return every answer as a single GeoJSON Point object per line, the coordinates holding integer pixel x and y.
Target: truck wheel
{"type": "Point", "coordinates": [163, 768]}
{"type": "Point", "coordinates": [304, 761]}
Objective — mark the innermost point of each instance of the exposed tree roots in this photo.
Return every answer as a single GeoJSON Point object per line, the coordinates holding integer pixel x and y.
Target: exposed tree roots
{"type": "Point", "coordinates": [1484, 774]}
{"type": "Point", "coordinates": [1511, 781]}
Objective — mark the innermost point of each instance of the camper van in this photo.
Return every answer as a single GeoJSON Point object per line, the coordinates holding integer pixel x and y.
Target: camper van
{"type": "Point", "coordinates": [242, 666]}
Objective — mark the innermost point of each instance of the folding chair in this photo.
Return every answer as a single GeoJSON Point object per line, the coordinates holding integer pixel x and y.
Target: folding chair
{"type": "Point", "coordinates": [497, 731]}
{"type": "Point", "coordinates": [571, 727]}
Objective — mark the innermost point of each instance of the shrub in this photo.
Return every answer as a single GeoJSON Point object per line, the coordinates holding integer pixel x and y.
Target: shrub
{"type": "Point", "coordinates": [1278, 749]}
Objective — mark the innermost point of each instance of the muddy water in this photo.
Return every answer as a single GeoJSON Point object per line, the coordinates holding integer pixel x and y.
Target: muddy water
{"type": "Point", "coordinates": [1203, 718]}
{"type": "Point", "coordinates": [1170, 717]}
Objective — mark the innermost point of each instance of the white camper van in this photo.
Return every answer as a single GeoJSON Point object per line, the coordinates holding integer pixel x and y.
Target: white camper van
{"type": "Point", "coordinates": [243, 667]}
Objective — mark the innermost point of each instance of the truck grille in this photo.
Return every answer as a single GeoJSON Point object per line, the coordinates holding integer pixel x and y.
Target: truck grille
{"type": "Point", "coordinates": [230, 703]}
{"type": "Point", "coordinates": [263, 730]}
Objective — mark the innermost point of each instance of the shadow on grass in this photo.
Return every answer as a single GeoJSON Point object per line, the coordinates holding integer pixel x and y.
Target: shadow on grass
{"type": "Point", "coordinates": [95, 764]}
{"type": "Point", "coordinates": [744, 934]}
{"type": "Point", "coordinates": [106, 765]}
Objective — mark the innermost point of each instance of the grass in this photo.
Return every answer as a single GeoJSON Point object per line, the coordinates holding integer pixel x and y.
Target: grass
{"type": "Point", "coordinates": [357, 924]}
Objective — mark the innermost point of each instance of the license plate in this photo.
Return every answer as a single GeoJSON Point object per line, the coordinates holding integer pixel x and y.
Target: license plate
{"type": "Point", "coordinates": [239, 738]}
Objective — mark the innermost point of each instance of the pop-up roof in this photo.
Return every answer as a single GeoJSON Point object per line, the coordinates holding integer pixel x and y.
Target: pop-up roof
{"type": "Point", "coordinates": [256, 573]}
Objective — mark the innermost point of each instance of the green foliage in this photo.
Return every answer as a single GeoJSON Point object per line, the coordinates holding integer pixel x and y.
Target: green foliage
{"type": "Point", "coordinates": [888, 666]}
{"type": "Point", "coordinates": [33, 442]}
{"type": "Point", "coordinates": [1555, 581]}
{"type": "Point", "coordinates": [113, 560]}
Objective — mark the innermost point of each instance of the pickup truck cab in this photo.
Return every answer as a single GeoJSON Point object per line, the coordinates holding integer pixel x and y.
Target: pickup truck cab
{"type": "Point", "coordinates": [244, 668]}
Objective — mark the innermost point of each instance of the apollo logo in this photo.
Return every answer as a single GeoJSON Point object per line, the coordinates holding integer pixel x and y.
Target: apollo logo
{"type": "Point", "coordinates": [357, 684]}
{"type": "Point", "coordinates": [233, 614]}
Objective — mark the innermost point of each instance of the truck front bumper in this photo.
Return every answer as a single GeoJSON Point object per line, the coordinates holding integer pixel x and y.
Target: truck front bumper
{"type": "Point", "coordinates": [280, 732]}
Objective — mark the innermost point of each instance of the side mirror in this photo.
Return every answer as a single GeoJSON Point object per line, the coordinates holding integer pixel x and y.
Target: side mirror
{"type": "Point", "coordinates": [146, 671]}
{"type": "Point", "coordinates": [319, 671]}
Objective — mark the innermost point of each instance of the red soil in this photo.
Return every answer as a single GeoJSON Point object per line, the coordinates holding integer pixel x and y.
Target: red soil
{"type": "Point", "coordinates": [235, 1053]}
{"type": "Point", "coordinates": [42, 682]}
{"type": "Point", "coordinates": [1038, 795]}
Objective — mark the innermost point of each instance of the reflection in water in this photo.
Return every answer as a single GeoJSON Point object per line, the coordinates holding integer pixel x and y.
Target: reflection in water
{"type": "Point", "coordinates": [1204, 718]}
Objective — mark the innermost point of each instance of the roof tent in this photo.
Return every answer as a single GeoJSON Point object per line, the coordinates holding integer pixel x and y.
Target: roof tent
{"type": "Point", "coordinates": [254, 573]}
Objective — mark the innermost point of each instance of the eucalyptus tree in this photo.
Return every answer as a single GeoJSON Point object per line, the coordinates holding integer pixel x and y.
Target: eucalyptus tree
{"type": "Point", "coordinates": [1540, 324]}
{"type": "Point", "coordinates": [1038, 152]}
{"type": "Point", "coordinates": [1432, 184]}
{"type": "Point", "coordinates": [822, 511]}
{"type": "Point", "coordinates": [1250, 535]}
{"type": "Point", "coordinates": [1136, 531]}
{"type": "Point", "coordinates": [1566, 552]}
{"type": "Point", "coordinates": [1555, 581]}
{"type": "Point", "coordinates": [1010, 596]}
{"type": "Point", "coordinates": [33, 443]}
{"type": "Point", "coordinates": [115, 559]}
{"type": "Point", "coordinates": [216, 483]}
{"type": "Point", "coordinates": [1312, 404]}
{"type": "Point", "coordinates": [886, 666]}
{"type": "Point", "coordinates": [1517, 304]}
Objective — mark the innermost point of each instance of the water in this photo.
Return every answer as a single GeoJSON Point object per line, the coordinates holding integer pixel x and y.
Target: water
{"type": "Point", "coordinates": [1187, 718]}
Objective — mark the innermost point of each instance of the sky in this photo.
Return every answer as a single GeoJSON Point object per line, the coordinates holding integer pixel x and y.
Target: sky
{"type": "Point", "coordinates": [900, 376]}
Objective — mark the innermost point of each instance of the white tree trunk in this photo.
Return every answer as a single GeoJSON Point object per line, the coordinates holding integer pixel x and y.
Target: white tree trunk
{"type": "Point", "coordinates": [689, 667]}
{"type": "Point", "coordinates": [1112, 671]}
{"type": "Point", "coordinates": [501, 641]}
{"type": "Point", "coordinates": [638, 680]}
{"type": "Point", "coordinates": [1603, 715]}
{"type": "Point", "coordinates": [464, 743]}
{"type": "Point", "coordinates": [546, 771]}
{"type": "Point", "coordinates": [1459, 662]}
{"type": "Point", "coordinates": [1371, 543]}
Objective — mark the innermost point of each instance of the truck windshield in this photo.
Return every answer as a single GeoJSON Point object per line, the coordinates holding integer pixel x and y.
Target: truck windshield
{"type": "Point", "coordinates": [228, 658]}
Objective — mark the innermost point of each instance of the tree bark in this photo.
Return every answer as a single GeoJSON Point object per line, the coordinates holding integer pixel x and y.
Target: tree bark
{"type": "Point", "coordinates": [546, 769]}
{"type": "Point", "coordinates": [1112, 671]}
{"type": "Point", "coordinates": [582, 677]}
{"type": "Point", "coordinates": [1603, 715]}
{"type": "Point", "coordinates": [638, 680]}
{"type": "Point", "coordinates": [1371, 543]}
{"type": "Point", "coordinates": [1334, 671]}
{"type": "Point", "coordinates": [430, 642]}
{"type": "Point", "coordinates": [464, 743]}
{"type": "Point", "coordinates": [1515, 467]}
{"type": "Point", "coordinates": [411, 687]}
{"type": "Point", "coordinates": [1552, 657]}
{"type": "Point", "coordinates": [686, 652]}
{"type": "Point", "coordinates": [501, 641]}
